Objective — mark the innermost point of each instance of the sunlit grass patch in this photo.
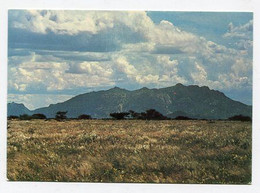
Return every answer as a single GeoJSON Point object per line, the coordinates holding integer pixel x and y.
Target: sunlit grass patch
{"type": "Point", "coordinates": [166, 151]}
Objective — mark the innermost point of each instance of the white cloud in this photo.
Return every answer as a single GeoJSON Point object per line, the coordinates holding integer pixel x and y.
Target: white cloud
{"type": "Point", "coordinates": [163, 35]}
{"type": "Point", "coordinates": [148, 79]}
{"type": "Point", "coordinates": [31, 73]}
{"type": "Point", "coordinates": [243, 37]}
{"type": "Point", "coordinates": [164, 71]}
{"type": "Point", "coordinates": [169, 74]}
{"type": "Point", "coordinates": [231, 80]}
{"type": "Point", "coordinates": [74, 22]}
{"type": "Point", "coordinates": [241, 67]}
{"type": "Point", "coordinates": [168, 35]}
{"type": "Point", "coordinates": [243, 31]}
{"type": "Point", "coordinates": [91, 68]}
{"type": "Point", "coordinates": [200, 76]}
{"type": "Point", "coordinates": [33, 101]}
{"type": "Point", "coordinates": [123, 66]}
{"type": "Point", "coordinates": [159, 58]}
{"type": "Point", "coordinates": [139, 47]}
{"type": "Point", "coordinates": [62, 22]}
{"type": "Point", "coordinates": [52, 75]}
{"type": "Point", "coordinates": [167, 63]}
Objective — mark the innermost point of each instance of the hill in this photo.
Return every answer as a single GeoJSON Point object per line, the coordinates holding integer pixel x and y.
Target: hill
{"type": "Point", "coordinates": [17, 109]}
{"type": "Point", "coordinates": [193, 101]}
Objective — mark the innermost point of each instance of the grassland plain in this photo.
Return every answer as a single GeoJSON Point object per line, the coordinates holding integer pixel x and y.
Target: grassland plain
{"type": "Point", "coordinates": [138, 151]}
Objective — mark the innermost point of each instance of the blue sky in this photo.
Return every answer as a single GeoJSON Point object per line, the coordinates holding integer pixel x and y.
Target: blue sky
{"type": "Point", "coordinates": [54, 55]}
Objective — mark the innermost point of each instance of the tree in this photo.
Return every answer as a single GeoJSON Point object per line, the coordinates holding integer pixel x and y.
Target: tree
{"type": "Point", "coordinates": [119, 116]}
{"type": "Point", "coordinates": [84, 116]}
{"type": "Point", "coordinates": [152, 114]}
{"type": "Point", "coordinates": [38, 116]}
{"type": "Point", "coordinates": [61, 115]}
{"type": "Point", "coordinates": [25, 117]}
{"type": "Point", "coordinates": [240, 118]}
{"type": "Point", "coordinates": [183, 118]}
{"type": "Point", "coordinates": [134, 114]}
{"type": "Point", "coordinates": [12, 117]}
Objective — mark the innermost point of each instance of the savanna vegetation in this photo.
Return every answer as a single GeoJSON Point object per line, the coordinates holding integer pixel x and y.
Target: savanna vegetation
{"type": "Point", "coordinates": [153, 151]}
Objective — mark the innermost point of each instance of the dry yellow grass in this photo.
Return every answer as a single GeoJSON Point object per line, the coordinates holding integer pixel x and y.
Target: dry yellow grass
{"type": "Point", "coordinates": [130, 151]}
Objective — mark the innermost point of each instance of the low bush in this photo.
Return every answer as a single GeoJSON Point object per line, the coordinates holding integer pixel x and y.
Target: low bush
{"type": "Point", "coordinates": [38, 116]}
{"type": "Point", "coordinates": [119, 116]}
{"type": "Point", "coordinates": [183, 118]}
{"type": "Point", "coordinates": [84, 116]}
{"type": "Point", "coordinates": [240, 118]}
{"type": "Point", "coordinates": [12, 117]}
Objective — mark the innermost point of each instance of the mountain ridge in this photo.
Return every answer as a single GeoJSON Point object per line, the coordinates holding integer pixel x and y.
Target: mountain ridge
{"type": "Point", "coordinates": [193, 100]}
{"type": "Point", "coordinates": [17, 109]}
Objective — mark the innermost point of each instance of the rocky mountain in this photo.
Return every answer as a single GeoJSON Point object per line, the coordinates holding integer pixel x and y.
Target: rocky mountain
{"type": "Point", "coordinates": [17, 109]}
{"type": "Point", "coordinates": [192, 101]}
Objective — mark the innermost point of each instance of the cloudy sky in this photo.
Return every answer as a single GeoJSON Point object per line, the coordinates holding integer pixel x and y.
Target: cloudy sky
{"type": "Point", "coordinates": [54, 55]}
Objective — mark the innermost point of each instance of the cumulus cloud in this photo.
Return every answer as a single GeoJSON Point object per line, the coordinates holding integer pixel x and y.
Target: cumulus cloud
{"type": "Point", "coordinates": [167, 37]}
{"type": "Point", "coordinates": [103, 26]}
{"type": "Point", "coordinates": [91, 68]}
{"type": "Point", "coordinates": [61, 22]}
{"type": "Point", "coordinates": [200, 76]}
{"type": "Point", "coordinates": [165, 74]}
{"type": "Point", "coordinates": [244, 31]}
{"type": "Point", "coordinates": [123, 66]}
{"type": "Point", "coordinates": [242, 35]}
{"type": "Point", "coordinates": [33, 101]}
{"type": "Point", "coordinates": [86, 49]}
{"type": "Point", "coordinates": [147, 79]}
{"type": "Point", "coordinates": [169, 73]}
{"type": "Point", "coordinates": [44, 74]}
{"type": "Point", "coordinates": [77, 22]}
{"type": "Point", "coordinates": [29, 77]}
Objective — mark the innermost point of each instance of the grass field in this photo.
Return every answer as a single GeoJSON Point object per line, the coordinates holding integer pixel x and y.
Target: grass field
{"type": "Point", "coordinates": [166, 151]}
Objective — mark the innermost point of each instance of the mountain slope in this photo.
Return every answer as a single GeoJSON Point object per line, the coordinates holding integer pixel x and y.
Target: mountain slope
{"type": "Point", "coordinates": [17, 109]}
{"type": "Point", "coordinates": [194, 101]}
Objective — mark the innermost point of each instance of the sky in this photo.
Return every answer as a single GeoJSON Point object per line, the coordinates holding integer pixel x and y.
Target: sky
{"type": "Point", "coordinates": [55, 55]}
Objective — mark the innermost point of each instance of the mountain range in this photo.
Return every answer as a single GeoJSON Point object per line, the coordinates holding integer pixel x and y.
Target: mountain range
{"type": "Point", "coordinates": [179, 100]}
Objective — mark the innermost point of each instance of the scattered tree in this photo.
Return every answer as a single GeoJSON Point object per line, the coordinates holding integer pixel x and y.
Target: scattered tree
{"type": "Point", "coordinates": [12, 117]}
{"type": "Point", "coordinates": [240, 118]}
{"type": "Point", "coordinates": [61, 115]}
{"type": "Point", "coordinates": [183, 118]}
{"type": "Point", "coordinates": [84, 116]}
{"type": "Point", "coordinates": [25, 117]}
{"type": "Point", "coordinates": [38, 116]}
{"type": "Point", "coordinates": [152, 114]}
{"type": "Point", "coordinates": [134, 115]}
{"type": "Point", "coordinates": [119, 116]}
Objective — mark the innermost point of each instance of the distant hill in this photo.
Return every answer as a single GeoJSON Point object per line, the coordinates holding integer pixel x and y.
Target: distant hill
{"type": "Point", "coordinates": [178, 100]}
{"type": "Point", "coordinates": [17, 109]}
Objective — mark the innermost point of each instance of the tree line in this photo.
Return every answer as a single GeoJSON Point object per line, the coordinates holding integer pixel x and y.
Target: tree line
{"type": "Point", "coordinates": [150, 114]}
{"type": "Point", "coordinates": [60, 115]}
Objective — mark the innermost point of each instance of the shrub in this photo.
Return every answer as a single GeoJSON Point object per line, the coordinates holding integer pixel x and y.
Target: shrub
{"type": "Point", "coordinates": [240, 118]}
{"type": "Point", "coordinates": [61, 115]}
{"type": "Point", "coordinates": [12, 117]}
{"type": "Point", "coordinates": [25, 117]}
{"type": "Point", "coordinates": [152, 114]}
{"type": "Point", "coordinates": [38, 116]}
{"type": "Point", "coordinates": [84, 116]}
{"type": "Point", "coordinates": [183, 118]}
{"type": "Point", "coordinates": [135, 115]}
{"type": "Point", "coordinates": [119, 116]}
